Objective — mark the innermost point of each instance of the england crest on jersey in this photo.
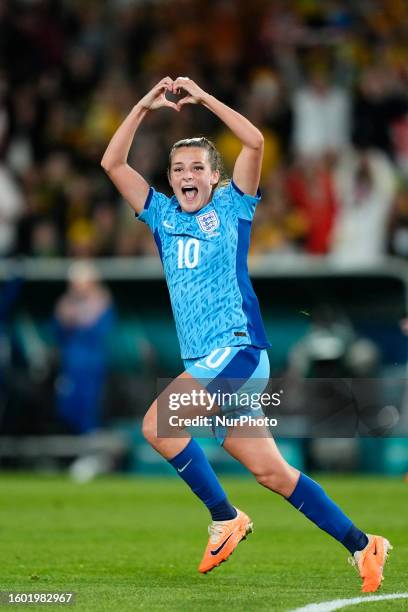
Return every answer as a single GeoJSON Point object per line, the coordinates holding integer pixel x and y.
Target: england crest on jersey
{"type": "Point", "coordinates": [208, 221]}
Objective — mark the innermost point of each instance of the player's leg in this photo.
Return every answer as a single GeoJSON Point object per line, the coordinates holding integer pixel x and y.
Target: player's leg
{"type": "Point", "coordinates": [259, 453]}
{"type": "Point", "coordinates": [226, 371]}
{"type": "Point", "coordinates": [229, 525]}
{"type": "Point", "coordinates": [187, 457]}
{"type": "Point", "coordinates": [262, 457]}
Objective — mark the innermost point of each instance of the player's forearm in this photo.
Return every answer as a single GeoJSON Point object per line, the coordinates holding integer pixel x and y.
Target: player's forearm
{"type": "Point", "coordinates": [117, 151]}
{"type": "Point", "coordinates": [243, 129]}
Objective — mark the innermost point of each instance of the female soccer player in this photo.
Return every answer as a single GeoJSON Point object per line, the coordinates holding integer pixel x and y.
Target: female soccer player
{"type": "Point", "coordinates": [202, 235]}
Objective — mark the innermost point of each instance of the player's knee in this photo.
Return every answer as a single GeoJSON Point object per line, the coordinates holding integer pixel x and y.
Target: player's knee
{"type": "Point", "coordinates": [269, 481]}
{"type": "Point", "coordinates": [149, 429]}
{"type": "Point", "coordinates": [279, 481]}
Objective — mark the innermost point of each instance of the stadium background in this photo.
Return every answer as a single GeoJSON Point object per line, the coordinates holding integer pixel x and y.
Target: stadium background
{"type": "Point", "coordinates": [327, 83]}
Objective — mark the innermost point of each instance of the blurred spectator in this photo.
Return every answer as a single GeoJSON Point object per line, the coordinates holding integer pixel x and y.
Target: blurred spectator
{"type": "Point", "coordinates": [268, 106]}
{"type": "Point", "coordinates": [84, 319]}
{"type": "Point", "coordinates": [278, 227]}
{"type": "Point", "coordinates": [366, 185]}
{"type": "Point", "coordinates": [311, 188]}
{"type": "Point", "coordinates": [321, 116]}
{"type": "Point", "coordinates": [44, 239]}
{"type": "Point", "coordinates": [24, 129]}
{"type": "Point", "coordinates": [262, 104]}
{"type": "Point", "coordinates": [399, 136]}
{"type": "Point", "coordinates": [11, 204]}
{"type": "Point", "coordinates": [398, 226]}
{"type": "Point", "coordinates": [81, 237]}
{"type": "Point", "coordinates": [312, 75]}
{"type": "Point", "coordinates": [104, 218]}
{"type": "Point", "coordinates": [379, 101]}
{"type": "Point", "coordinates": [9, 293]}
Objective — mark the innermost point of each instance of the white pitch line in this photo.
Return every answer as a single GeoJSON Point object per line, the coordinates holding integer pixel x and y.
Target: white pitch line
{"type": "Point", "coordinates": [337, 604]}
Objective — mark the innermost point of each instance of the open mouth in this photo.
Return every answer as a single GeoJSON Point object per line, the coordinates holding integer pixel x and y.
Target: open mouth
{"type": "Point", "coordinates": [190, 193]}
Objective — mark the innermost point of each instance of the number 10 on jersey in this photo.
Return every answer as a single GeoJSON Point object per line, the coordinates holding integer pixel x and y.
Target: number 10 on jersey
{"type": "Point", "coordinates": [187, 253]}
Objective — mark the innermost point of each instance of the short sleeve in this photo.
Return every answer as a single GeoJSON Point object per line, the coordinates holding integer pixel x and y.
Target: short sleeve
{"type": "Point", "coordinates": [243, 202]}
{"type": "Point", "coordinates": [153, 208]}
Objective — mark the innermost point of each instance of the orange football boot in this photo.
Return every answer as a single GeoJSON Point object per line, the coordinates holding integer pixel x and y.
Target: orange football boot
{"type": "Point", "coordinates": [370, 562]}
{"type": "Point", "coordinates": [224, 538]}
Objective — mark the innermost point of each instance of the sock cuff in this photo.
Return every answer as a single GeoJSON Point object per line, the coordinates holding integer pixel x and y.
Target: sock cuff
{"type": "Point", "coordinates": [297, 495]}
{"type": "Point", "coordinates": [190, 451]}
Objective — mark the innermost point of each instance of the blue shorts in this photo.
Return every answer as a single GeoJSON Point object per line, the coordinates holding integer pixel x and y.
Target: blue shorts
{"type": "Point", "coordinates": [232, 370]}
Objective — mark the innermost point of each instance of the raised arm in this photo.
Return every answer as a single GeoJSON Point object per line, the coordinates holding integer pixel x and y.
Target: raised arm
{"type": "Point", "coordinates": [247, 169]}
{"type": "Point", "coordinates": [129, 182]}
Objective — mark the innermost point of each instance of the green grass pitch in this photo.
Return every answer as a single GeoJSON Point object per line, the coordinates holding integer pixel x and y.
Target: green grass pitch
{"type": "Point", "coordinates": [128, 543]}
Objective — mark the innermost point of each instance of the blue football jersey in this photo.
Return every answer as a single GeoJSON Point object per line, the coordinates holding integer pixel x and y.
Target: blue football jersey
{"type": "Point", "coordinates": [204, 256]}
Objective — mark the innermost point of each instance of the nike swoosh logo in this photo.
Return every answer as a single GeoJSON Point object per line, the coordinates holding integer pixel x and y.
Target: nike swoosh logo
{"type": "Point", "coordinates": [184, 467]}
{"type": "Point", "coordinates": [198, 365]}
{"type": "Point", "coordinates": [219, 549]}
{"type": "Point", "coordinates": [168, 225]}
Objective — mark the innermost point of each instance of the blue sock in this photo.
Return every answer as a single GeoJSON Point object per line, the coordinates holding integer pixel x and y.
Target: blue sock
{"type": "Point", "coordinates": [312, 501]}
{"type": "Point", "coordinates": [193, 467]}
{"type": "Point", "coordinates": [355, 540]}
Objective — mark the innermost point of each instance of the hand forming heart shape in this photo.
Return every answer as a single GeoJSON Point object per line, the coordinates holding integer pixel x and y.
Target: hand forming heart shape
{"type": "Point", "coordinates": [173, 94]}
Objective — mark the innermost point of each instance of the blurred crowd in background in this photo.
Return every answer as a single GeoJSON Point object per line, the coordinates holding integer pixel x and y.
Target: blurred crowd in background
{"type": "Point", "coordinates": [325, 81]}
